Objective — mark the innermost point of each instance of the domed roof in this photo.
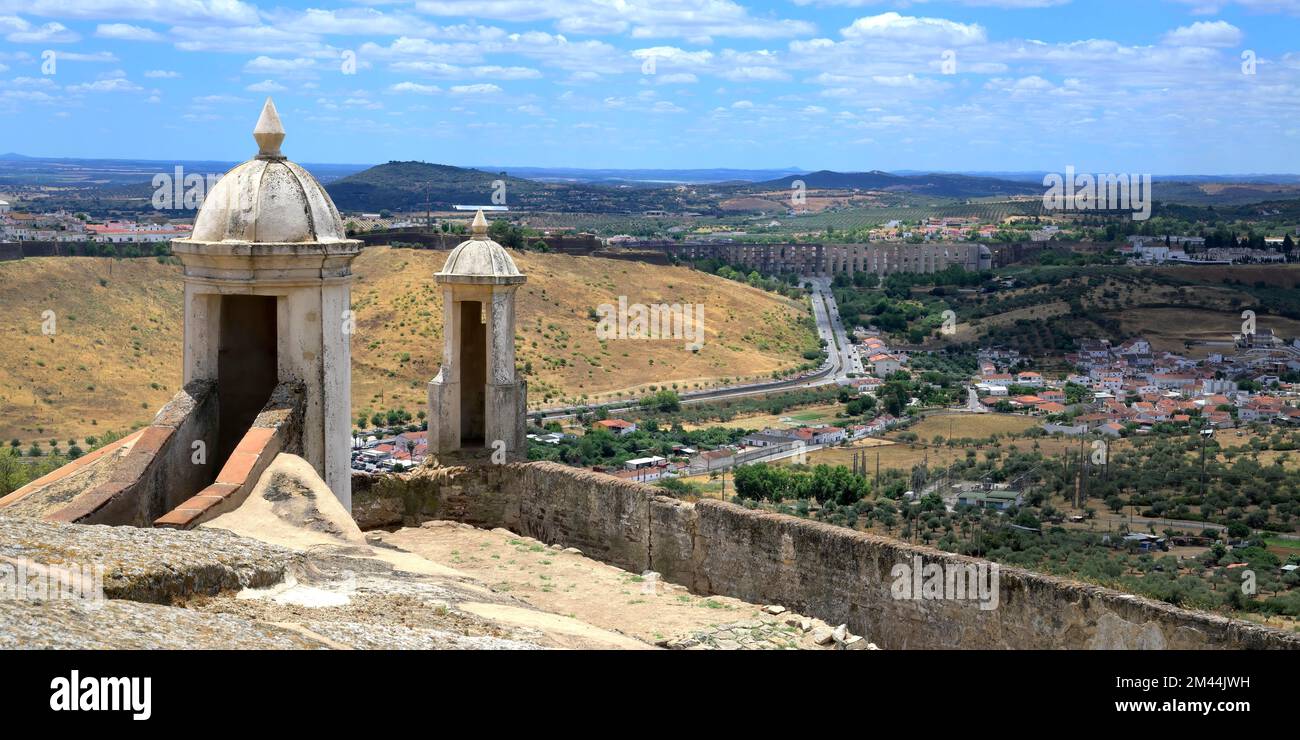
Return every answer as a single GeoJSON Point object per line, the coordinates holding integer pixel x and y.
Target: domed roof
{"type": "Point", "coordinates": [268, 199]}
{"type": "Point", "coordinates": [479, 259]}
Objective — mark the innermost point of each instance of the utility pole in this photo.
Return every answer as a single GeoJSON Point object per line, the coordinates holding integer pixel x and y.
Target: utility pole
{"type": "Point", "coordinates": [1078, 482]}
{"type": "Point", "coordinates": [1205, 434]}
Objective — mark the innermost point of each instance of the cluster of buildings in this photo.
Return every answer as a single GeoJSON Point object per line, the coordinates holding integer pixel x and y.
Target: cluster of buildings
{"type": "Point", "coordinates": [994, 385]}
{"type": "Point", "coordinates": [59, 226]}
{"type": "Point", "coordinates": [127, 232]}
{"type": "Point", "coordinates": [769, 444]}
{"type": "Point", "coordinates": [950, 228]}
{"type": "Point", "coordinates": [877, 357]}
{"type": "Point", "coordinates": [1131, 385]}
{"type": "Point", "coordinates": [389, 454]}
{"type": "Point", "coordinates": [1158, 250]}
{"type": "Point", "coordinates": [653, 467]}
{"type": "Point", "coordinates": [62, 226]}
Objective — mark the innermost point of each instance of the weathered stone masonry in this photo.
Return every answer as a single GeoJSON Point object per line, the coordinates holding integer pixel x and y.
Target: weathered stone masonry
{"type": "Point", "coordinates": [836, 574]}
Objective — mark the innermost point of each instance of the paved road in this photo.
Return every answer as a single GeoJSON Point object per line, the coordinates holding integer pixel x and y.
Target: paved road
{"type": "Point", "coordinates": [831, 328]}
{"type": "Point", "coordinates": [973, 404]}
{"type": "Point", "coordinates": [841, 360]}
{"type": "Point", "coordinates": [1163, 523]}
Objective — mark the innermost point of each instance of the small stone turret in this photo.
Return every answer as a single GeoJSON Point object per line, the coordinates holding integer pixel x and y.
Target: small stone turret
{"type": "Point", "coordinates": [477, 401]}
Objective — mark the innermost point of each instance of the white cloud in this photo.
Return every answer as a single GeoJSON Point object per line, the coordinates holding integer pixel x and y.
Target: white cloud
{"type": "Point", "coordinates": [299, 67]}
{"type": "Point", "coordinates": [261, 39]}
{"type": "Point", "coordinates": [414, 87]}
{"type": "Point", "coordinates": [126, 32]}
{"type": "Point", "coordinates": [486, 71]}
{"type": "Point", "coordinates": [204, 101]}
{"type": "Point", "coordinates": [266, 86]}
{"type": "Point", "coordinates": [664, 106]}
{"type": "Point", "coordinates": [1209, 7]}
{"type": "Point", "coordinates": [973, 3]}
{"type": "Point", "coordinates": [755, 74]}
{"type": "Point", "coordinates": [108, 85]}
{"type": "Point", "coordinates": [23, 32]}
{"type": "Point", "coordinates": [1205, 33]}
{"type": "Point", "coordinates": [690, 19]}
{"type": "Point", "coordinates": [484, 88]}
{"type": "Point", "coordinates": [103, 57]}
{"type": "Point", "coordinates": [590, 56]}
{"type": "Point", "coordinates": [159, 11]}
{"type": "Point", "coordinates": [162, 74]}
{"type": "Point", "coordinates": [909, 29]}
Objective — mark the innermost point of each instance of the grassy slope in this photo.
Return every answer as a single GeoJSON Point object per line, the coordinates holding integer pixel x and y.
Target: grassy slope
{"type": "Point", "coordinates": [121, 337]}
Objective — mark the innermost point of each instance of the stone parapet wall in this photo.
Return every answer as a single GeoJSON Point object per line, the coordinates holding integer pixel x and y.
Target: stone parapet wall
{"type": "Point", "coordinates": [277, 428]}
{"type": "Point", "coordinates": [136, 479]}
{"type": "Point", "coordinates": [833, 573]}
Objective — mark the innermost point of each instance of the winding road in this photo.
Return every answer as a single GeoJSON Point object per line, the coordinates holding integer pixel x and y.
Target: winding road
{"type": "Point", "coordinates": [840, 361]}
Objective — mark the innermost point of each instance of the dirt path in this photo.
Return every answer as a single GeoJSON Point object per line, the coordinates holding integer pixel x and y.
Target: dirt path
{"type": "Point", "coordinates": [571, 584]}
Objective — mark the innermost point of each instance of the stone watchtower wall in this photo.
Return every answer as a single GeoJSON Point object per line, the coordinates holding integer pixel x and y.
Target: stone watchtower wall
{"type": "Point", "coordinates": [833, 573]}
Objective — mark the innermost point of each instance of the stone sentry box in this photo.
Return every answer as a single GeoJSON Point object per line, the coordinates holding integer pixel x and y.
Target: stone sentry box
{"type": "Point", "coordinates": [477, 401]}
{"type": "Point", "coordinates": [267, 273]}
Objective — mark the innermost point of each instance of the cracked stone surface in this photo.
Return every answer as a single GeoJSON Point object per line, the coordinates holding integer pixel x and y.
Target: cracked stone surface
{"type": "Point", "coordinates": [151, 565]}
{"type": "Point", "coordinates": [787, 631]}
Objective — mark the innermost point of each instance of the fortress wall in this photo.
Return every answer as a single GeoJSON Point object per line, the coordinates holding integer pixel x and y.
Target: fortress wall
{"type": "Point", "coordinates": [833, 573]}
{"type": "Point", "coordinates": [843, 576]}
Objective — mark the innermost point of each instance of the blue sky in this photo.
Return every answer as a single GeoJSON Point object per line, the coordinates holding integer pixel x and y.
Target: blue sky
{"type": "Point", "coordinates": [1160, 86]}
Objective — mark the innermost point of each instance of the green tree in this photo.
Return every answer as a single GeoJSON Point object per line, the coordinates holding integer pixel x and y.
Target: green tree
{"type": "Point", "coordinates": [12, 472]}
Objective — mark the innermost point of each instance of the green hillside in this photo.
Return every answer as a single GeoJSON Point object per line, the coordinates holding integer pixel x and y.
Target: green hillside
{"type": "Point", "coordinates": [412, 185]}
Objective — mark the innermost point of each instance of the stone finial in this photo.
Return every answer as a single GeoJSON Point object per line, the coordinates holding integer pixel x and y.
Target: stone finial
{"type": "Point", "coordinates": [269, 132]}
{"type": "Point", "coordinates": [480, 226]}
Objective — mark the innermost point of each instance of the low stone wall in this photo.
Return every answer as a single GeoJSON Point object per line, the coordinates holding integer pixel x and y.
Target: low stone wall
{"type": "Point", "coordinates": [277, 428]}
{"type": "Point", "coordinates": [833, 573]}
{"type": "Point", "coordinates": [159, 470]}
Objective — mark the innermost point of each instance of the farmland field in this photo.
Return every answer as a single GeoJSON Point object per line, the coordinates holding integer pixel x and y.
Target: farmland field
{"type": "Point", "coordinates": [904, 456]}
{"type": "Point", "coordinates": [853, 218]}
{"type": "Point", "coordinates": [809, 416]}
{"type": "Point", "coordinates": [976, 426]}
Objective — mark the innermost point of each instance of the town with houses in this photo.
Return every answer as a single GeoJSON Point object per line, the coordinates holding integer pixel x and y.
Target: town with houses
{"type": "Point", "coordinates": [1116, 390]}
{"type": "Point", "coordinates": [62, 226]}
{"type": "Point", "coordinates": [1131, 387]}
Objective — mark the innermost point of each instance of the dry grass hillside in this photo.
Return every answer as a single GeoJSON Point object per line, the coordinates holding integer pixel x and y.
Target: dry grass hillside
{"type": "Point", "coordinates": [115, 358]}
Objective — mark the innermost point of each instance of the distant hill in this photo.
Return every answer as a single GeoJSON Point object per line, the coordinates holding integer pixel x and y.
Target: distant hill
{"type": "Point", "coordinates": [937, 185]}
{"type": "Point", "coordinates": [410, 185]}
{"type": "Point", "coordinates": [650, 177]}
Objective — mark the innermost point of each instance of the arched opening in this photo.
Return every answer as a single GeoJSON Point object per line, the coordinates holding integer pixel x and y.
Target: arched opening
{"type": "Point", "coordinates": [246, 366]}
{"type": "Point", "coordinates": [473, 374]}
